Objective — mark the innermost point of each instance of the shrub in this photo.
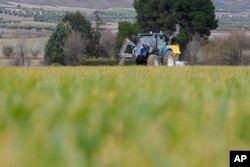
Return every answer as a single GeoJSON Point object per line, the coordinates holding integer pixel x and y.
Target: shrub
{"type": "Point", "coordinates": [7, 50]}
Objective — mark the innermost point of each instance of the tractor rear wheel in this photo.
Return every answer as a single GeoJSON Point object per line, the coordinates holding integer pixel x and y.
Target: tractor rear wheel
{"type": "Point", "coordinates": [153, 60]}
{"type": "Point", "coordinates": [169, 58]}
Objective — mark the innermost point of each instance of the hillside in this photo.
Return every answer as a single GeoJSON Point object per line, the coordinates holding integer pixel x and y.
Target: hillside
{"type": "Point", "coordinates": [221, 5]}
{"type": "Point", "coordinates": [95, 4]}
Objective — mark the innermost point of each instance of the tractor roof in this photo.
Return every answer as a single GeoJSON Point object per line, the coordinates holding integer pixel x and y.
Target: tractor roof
{"type": "Point", "coordinates": [151, 34]}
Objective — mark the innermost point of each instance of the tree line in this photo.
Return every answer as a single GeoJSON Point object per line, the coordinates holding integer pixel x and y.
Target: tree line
{"type": "Point", "coordinates": [181, 18]}
{"type": "Point", "coordinates": [75, 38]}
{"type": "Point", "coordinates": [19, 53]}
{"type": "Point", "coordinates": [189, 22]}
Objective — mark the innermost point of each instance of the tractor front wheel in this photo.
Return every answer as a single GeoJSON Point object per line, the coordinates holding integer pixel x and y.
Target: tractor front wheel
{"type": "Point", "coordinates": [169, 58]}
{"type": "Point", "coordinates": [153, 60]}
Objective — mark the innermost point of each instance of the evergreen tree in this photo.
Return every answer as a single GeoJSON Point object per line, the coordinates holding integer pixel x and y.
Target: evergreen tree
{"type": "Point", "coordinates": [71, 21]}
{"type": "Point", "coordinates": [97, 34]}
{"type": "Point", "coordinates": [54, 47]}
{"type": "Point", "coordinates": [155, 15]}
{"type": "Point", "coordinates": [79, 23]}
{"type": "Point", "coordinates": [125, 30]}
{"type": "Point", "coordinates": [193, 16]}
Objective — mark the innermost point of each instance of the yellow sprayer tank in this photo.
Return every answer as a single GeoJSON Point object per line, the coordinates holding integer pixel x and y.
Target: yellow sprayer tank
{"type": "Point", "coordinates": [176, 50]}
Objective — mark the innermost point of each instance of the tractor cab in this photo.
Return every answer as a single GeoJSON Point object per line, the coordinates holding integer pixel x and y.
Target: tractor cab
{"type": "Point", "coordinates": [154, 41]}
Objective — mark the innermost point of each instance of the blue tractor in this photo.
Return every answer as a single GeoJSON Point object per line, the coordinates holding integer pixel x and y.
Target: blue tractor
{"type": "Point", "coordinates": [151, 49]}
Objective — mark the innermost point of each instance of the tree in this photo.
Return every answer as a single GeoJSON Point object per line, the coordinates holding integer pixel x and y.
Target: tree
{"type": "Point", "coordinates": [35, 51]}
{"type": "Point", "coordinates": [155, 15]}
{"type": "Point", "coordinates": [54, 46]}
{"type": "Point", "coordinates": [226, 50]}
{"type": "Point", "coordinates": [97, 33]}
{"type": "Point", "coordinates": [75, 21]}
{"type": "Point", "coordinates": [193, 16]}
{"type": "Point", "coordinates": [7, 50]}
{"type": "Point", "coordinates": [193, 48]}
{"type": "Point", "coordinates": [79, 23]}
{"type": "Point", "coordinates": [74, 48]}
{"type": "Point", "coordinates": [126, 30]}
{"type": "Point", "coordinates": [22, 50]}
{"type": "Point", "coordinates": [107, 43]}
{"type": "Point", "coordinates": [236, 43]}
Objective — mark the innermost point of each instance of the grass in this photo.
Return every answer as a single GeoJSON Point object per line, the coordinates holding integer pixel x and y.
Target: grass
{"type": "Point", "coordinates": [123, 116]}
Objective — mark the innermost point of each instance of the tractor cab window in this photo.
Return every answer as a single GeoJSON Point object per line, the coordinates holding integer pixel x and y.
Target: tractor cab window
{"type": "Point", "coordinates": [161, 42]}
{"type": "Point", "coordinates": [148, 40]}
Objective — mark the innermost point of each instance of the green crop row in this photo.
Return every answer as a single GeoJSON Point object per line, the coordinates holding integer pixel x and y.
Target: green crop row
{"type": "Point", "coordinates": [123, 116]}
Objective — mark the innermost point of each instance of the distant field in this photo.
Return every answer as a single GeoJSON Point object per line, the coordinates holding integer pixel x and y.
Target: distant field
{"type": "Point", "coordinates": [123, 116]}
{"type": "Point", "coordinates": [30, 41]}
{"type": "Point", "coordinates": [34, 24]}
{"type": "Point", "coordinates": [15, 18]}
{"type": "Point", "coordinates": [126, 11]}
{"type": "Point", "coordinates": [63, 8]}
{"type": "Point", "coordinates": [47, 21]}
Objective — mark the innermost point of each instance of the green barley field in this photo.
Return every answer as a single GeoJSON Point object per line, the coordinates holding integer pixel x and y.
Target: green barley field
{"type": "Point", "coordinates": [123, 116]}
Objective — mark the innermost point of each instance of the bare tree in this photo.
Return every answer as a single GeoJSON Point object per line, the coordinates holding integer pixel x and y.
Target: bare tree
{"type": "Point", "coordinates": [107, 42]}
{"type": "Point", "coordinates": [35, 51]}
{"type": "Point", "coordinates": [193, 48]}
{"type": "Point", "coordinates": [227, 50]}
{"type": "Point", "coordinates": [74, 48]}
{"type": "Point", "coordinates": [236, 43]}
{"type": "Point", "coordinates": [97, 23]}
{"type": "Point", "coordinates": [22, 51]}
{"type": "Point", "coordinates": [213, 51]}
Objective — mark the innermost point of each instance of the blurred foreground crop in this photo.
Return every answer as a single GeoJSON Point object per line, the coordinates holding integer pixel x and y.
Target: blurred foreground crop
{"type": "Point", "coordinates": [123, 116]}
